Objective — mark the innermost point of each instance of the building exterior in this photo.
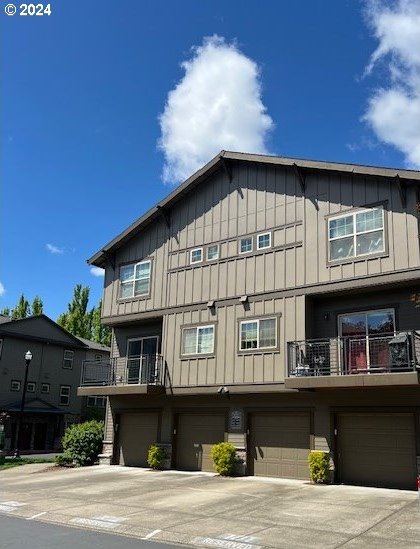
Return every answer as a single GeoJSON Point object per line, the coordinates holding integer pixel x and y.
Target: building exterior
{"type": "Point", "coordinates": [51, 400]}
{"type": "Point", "coordinates": [272, 303]}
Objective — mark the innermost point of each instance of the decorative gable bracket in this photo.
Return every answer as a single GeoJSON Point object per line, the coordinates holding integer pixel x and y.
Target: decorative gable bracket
{"type": "Point", "coordinates": [228, 168]}
{"type": "Point", "coordinates": [164, 214]}
{"type": "Point", "coordinates": [402, 189]}
{"type": "Point", "coordinates": [301, 177]}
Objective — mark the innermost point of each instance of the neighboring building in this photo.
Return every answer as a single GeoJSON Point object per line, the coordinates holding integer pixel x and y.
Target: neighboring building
{"type": "Point", "coordinates": [53, 377]}
{"type": "Point", "coordinates": [269, 302]}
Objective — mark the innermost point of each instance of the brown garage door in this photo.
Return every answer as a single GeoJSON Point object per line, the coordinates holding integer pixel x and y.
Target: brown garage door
{"type": "Point", "coordinates": [137, 431]}
{"type": "Point", "coordinates": [377, 450]}
{"type": "Point", "coordinates": [279, 444]}
{"type": "Point", "coordinates": [195, 435]}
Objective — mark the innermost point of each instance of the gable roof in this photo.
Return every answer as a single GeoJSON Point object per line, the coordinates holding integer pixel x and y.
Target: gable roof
{"type": "Point", "coordinates": [100, 258]}
{"type": "Point", "coordinates": [94, 345]}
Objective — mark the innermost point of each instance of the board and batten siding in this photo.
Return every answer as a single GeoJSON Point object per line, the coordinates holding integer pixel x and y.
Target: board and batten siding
{"type": "Point", "coordinates": [261, 198]}
{"type": "Point", "coordinates": [229, 365]}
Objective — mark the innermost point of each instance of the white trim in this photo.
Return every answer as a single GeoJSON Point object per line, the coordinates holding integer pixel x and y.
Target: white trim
{"type": "Point", "coordinates": [69, 359]}
{"type": "Point", "coordinates": [61, 395]}
{"type": "Point", "coordinates": [257, 321]}
{"type": "Point", "coordinates": [197, 329]}
{"type": "Point", "coordinates": [198, 260]}
{"type": "Point", "coordinates": [258, 241]}
{"type": "Point", "coordinates": [31, 383]}
{"type": "Point", "coordinates": [218, 252]}
{"type": "Point", "coordinates": [19, 385]}
{"type": "Point", "coordinates": [134, 280]}
{"type": "Point", "coordinates": [45, 392]}
{"type": "Point", "coordinates": [240, 245]}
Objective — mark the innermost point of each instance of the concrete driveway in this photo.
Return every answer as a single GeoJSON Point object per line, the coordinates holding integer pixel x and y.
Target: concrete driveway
{"type": "Point", "coordinates": [202, 509]}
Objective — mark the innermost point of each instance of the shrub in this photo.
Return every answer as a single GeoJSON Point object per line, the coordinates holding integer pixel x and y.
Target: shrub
{"type": "Point", "coordinates": [224, 458]}
{"type": "Point", "coordinates": [319, 466]}
{"type": "Point", "coordinates": [156, 457]}
{"type": "Point", "coordinates": [63, 459]}
{"type": "Point", "coordinates": [82, 442]}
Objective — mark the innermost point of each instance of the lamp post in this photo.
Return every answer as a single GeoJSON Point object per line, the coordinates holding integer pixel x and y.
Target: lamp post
{"type": "Point", "coordinates": [28, 358]}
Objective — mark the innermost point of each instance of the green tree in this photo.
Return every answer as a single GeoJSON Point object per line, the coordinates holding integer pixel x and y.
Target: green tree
{"type": "Point", "coordinates": [100, 333]}
{"type": "Point", "coordinates": [37, 306]}
{"type": "Point", "coordinates": [22, 309]}
{"type": "Point", "coordinates": [5, 311]}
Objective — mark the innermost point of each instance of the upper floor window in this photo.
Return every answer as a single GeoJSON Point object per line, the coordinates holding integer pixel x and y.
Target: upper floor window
{"type": "Point", "coordinates": [245, 245]}
{"type": "Point", "coordinates": [356, 234]}
{"type": "Point", "coordinates": [98, 357]}
{"type": "Point", "coordinates": [213, 252]}
{"type": "Point", "coordinates": [260, 333]}
{"type": "Point", "coordinates": [96, 401]}
{"type": "Point", "coordinates": [68, 360]}
{"type": "Point", "coordinates": [196, 255]}
{"type": "Point", "coordinates": [263, 241]}
{"type": "Point", "coordinates": [15, 385]}
{"type": "Point", "coordinates": [64, 395]}
{"type": "Point", "coordinates": [198, 340]}
{"type": "Point", "coordinates": [45, 388]}
{"type": "Point", "coordinates": [31, 386]}
{"type": "Point", "coordinates": [135, 279]}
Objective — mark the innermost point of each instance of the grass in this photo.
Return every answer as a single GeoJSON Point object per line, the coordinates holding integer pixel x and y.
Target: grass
{"type": "Point", "coordinates": [8, 463]}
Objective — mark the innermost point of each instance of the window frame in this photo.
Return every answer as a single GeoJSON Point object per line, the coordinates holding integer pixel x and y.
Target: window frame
{"type": "Point", "coordinates": [68, 359]}
{"type": "Point", "coordinates": [257, 320]}
{"type": "Point", "coordinates": [19, 385]}
{"type": "Point", "coordinates": [134, 296]}
{"type": "Point", "coordinates": [353, 213]}
{"type": "Point", "coordinates": [258, 241]}
{"type": "Point", "coordinates": [217, 246]}
{"type": "Point", "coordinates": [96, 405]}
{"type": "Point", "coordinates": [61, 395]}
{"type": "Point", "coordinates": [31, 383]}
{"type": "Point", "coordinates": [251, 238]}
{"type": "Point", "coordinates": [197, 328]}
{"type": "Point", "coordinates": [42, 388]}
{"type": "Point", "coordinates": [199, 249]}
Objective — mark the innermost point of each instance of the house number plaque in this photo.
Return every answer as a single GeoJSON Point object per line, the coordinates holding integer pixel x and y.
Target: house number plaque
{"type": "Point", "coordinates": [236, 421]}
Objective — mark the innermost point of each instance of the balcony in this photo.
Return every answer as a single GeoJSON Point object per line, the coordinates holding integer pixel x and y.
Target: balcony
{"type": "Point", "coordinates": [369, 361]}
{"type": "Point", "coordinates": [142, 374]}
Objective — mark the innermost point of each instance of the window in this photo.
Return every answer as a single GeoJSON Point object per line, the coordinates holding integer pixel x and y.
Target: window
{"type": "Point", "coordinates": [31, 386]}
{"type": "Point", "coordinates": [135, 279]}
{"type": "Point", "coordinates": [68, 360]}
{"type": "Point", "coordinates": [196, 255]}
{"type": "Point", "coordinates": [258, 334]}
{"type": "Point", "coordinates": [98, 357]}
{"type": "Point", "coordinates": [96, 401]}
{"type": "Point", "coordinates": [1, 346]}
{"type": "Point", "coordinates": [64, 395]}
{"type": "Point", "coordinates": [213, 252]}
{"type": "Point", "coordinates": [357, 234]}
{"type": "Point", "coordinates": [245, 245]}
{"type": "Point", "coordinates": [15, 385]}
{"type": "Point", "coordinates": [264, 241]}
{"type": "Point", "coordinates": [198, 340]}
{"type": "Point", "coordinates": [45, 388]}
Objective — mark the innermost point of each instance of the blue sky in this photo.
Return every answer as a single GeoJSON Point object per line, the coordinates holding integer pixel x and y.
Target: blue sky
{"type": "Point", "coordinates": [84, 88]}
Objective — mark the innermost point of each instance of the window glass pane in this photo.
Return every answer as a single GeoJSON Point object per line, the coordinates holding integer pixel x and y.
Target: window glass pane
{"type": "Point", "coordinates": [126, 290]}
{"type": "Point", "coordinates": [205, 340]}
{"type": "Point", "coordinates": [134, 348]}
{"type": "Point", "coordinates": [196, 255]}
{"type": "Point", "coordinates": [370, 243]}
{"type": "Point", "coordinates": [249, 338]}
{"type": "Point", "coordinates": [143, 270]}
{"type": "Point", "coordinates": [141, 287]}
{"type": "Point", "coordinates": [341, 227]}
{"type": "Point", "coordinates": [353, 325]}
{"type": "Point", "coordinates": [264, 240]}
{"type": "Point", "coordinates": [246, 245]}
{"type": "Point", "coordinates": [268, 332]}
{"type": "Point", "coordinates": [189, 341]}
{"type": "Point", "coordinates": [342, 248]}
{"type": "Point", "coordinates": [127, 273]}
{"type": "Point", "coordinates": [369, 221]}
{"type": "Point", "coordinates": [213, 252]}
{"type": "Point", "coordinates": [380, 322]}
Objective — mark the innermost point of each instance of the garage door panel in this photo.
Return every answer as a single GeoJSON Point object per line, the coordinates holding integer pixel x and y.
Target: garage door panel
{"type": "Point", "coordinates": [196, 434]}
{"type": "Point", "coordinates": [377, 449]}
{"type": "Point", "coordinates": [279, 444]}
{"type": "Point", "coordinates": [137, 431]}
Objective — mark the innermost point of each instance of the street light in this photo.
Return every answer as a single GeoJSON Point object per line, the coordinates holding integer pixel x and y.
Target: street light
{"type": "Point", "coordinates": [28, 358]}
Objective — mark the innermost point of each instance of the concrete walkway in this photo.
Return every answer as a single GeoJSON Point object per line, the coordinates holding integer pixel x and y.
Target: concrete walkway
{"type": "Point", "coordinates": [202, 509]}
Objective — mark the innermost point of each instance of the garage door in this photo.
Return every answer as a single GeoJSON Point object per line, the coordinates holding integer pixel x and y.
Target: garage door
{"type": "Point", "coordinates": [137, 431]}
{"type": "Point", "coordinates": [195, 435]}
{"type": "Point", "coordinates": [377, 450]}
{"type": "Point", "coordinates": [279, 444]}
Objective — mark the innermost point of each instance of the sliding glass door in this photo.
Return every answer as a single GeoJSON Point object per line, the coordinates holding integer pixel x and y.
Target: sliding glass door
{"type": "Point", "coordinates": [141, 359]}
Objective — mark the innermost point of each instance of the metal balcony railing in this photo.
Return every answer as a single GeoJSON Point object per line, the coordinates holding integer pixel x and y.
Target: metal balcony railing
{"type": "Point", "coordinates": [139, 370]}
{"type": "Point", "coordinates": [398, 352]}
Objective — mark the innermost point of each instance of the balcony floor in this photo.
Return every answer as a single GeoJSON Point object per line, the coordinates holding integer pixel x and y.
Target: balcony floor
{"type": "Point", "coordinates": [355, 380]}
{"type": "Point", "coordinates": [130, 389]}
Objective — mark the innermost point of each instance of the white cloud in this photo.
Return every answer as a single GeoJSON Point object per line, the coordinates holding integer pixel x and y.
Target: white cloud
{"type": "Point", "coordinates": [216, 105]}
{"type": "Point", "coordinates": [393, 111]}
{"type": "Point", "coordinates": [2, 289]}
{"type": "Point", "coordinates": [97, 271]}
{"type": "Point", "coordinates": [54, 249]}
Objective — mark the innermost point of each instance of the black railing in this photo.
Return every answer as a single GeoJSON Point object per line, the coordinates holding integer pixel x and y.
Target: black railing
{"type": "Point", "coordinates": [136, 370]}
{"type": "Point", "coordinates": [398, 352]}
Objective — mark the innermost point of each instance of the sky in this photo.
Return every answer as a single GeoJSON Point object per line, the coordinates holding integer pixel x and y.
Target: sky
{"type": "Point", "coordinates": [106, 106]}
